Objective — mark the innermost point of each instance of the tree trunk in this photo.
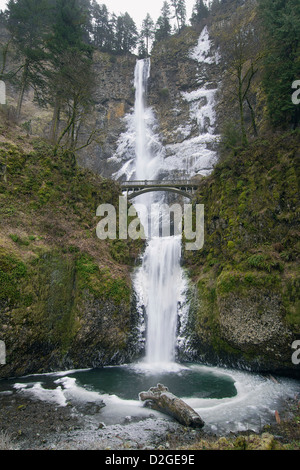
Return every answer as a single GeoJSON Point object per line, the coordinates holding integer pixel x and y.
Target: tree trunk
{"type": "Point", "coordinates": [55, 121]}
{"type": "Point", "coordinates": [23, 87]}
{"type": "Point", "coordinates": [160, 399]}
{"type": "Point", "coordinates": [241, 108]}
{"type": "Point", "coordinates": [4, 59]}
{"type": "Point", "coordinates": [252, 118]}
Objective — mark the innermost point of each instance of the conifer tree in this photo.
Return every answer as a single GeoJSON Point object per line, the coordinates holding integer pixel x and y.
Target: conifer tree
{"type": "Point", "coordinates": [69, 71]}
{"type": "Point", "coordinates": [5, 42]}
{"type": "Point", "coordinates": [163, 24]}
{"type": "Point", "coordinates": [29, 22]}
{"type": "Point", "coordinates": [200, 11]}
{"type": "Point", "coordinates": [281, 23]}
{"type": "Point", "coordinates": [179, 12]}
{"type": "Point", "coordinates": [126, 34]}
{"type": "Point", "coordinates": [241, 54]}
{"type": "Point", "coordinates": [102, 27]}
{"type": "Point", "coordinates": [147, 32]}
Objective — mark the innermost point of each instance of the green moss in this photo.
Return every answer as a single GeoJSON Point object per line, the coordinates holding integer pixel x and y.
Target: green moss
{"type": "Point", "coordinates": [12, 271]}
{"type": "Point", "coordinates": [230, 281]}
{"type": "Point", "coordinates": [101, 282]}
{"type": "Point", "coordinates": [291, 302]}
{"type": "Point", "coordinates": [263, 262]}
{"type": "Point", "coordinates": [47, 281]}
{"type": "Point", "coordinates": [251, 242]}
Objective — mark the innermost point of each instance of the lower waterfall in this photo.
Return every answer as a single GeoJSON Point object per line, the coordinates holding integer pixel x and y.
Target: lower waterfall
{"type": "Point", "coordinates": [161, 279]}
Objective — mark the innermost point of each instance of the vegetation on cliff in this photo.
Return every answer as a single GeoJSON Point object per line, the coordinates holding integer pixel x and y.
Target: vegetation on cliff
{"type": "Point", "coordinates": [57, 278]}
{"type": "Point", "coordinates": [249, 262]}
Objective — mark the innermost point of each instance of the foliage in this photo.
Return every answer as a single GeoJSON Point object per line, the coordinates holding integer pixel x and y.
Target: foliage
{"type": "Point", "coordinates": [238, 40]}
{"type": "Point", "coordinates": [29, 23]}
{"type": "Point", "coordinates": [179, 13]}
{"type": "Point", "coordinates": [126, 34]}
{"type": "Point", "coordinates": [281, 24]}
{"type": "Point", "coordinates": [200, 12]}
{"type": "Point", "coordinates": [147, 32]}
{"type": "Point", "coordinates": [103, 27]}
{"type": "Point", "coordinates": [251, 237]}
{"type": "Point", "coordinates": [52, 265]}
{"type": "Point", "coordinates": [163, 24]}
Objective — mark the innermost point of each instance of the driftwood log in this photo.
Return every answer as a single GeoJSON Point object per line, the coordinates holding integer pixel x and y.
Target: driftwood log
{"type": "Point", "coordinates": [160, 399]}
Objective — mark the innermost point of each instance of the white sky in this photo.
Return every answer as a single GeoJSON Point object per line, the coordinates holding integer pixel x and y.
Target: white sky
{"type": "Point", "coordinates": [137, 9]}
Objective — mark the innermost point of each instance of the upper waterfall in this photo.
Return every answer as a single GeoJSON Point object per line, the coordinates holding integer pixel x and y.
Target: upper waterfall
{"type": "Point", "coordinates": [140, 152]}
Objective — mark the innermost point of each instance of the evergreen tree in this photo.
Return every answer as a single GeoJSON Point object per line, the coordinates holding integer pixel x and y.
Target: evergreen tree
{"type": "Point", "coordinates": [147, 32]}
{"type": "Point", "coordinates": [5, 42]}
{"type": "Point", "coordinates": [142, 51]}
{"type": "Point", "coordinates": [241, 54]}
{"type": "Point", "coordinates": [214, 6]}
{"type": "Point", "coordinates": [102, 30]}
{"type": "Point", "coordinates": [29, 22]}
{"type": "Point", "coordinates": [200, 11]}
{"type": "Point", "coordinates": [85, 12]}
{"type": "Point", "coordinates": [179, 12]}
{"type": "Point", "coordinates": [111, 42]}
{"type": "Point", "coordinates": [126, 34]}
{"type": "Point", "coordinates": [69, 71]}
{"type": "Point", "coordinates": [163, 24]}
{"type": "Point", "coordinates": [281, 23]}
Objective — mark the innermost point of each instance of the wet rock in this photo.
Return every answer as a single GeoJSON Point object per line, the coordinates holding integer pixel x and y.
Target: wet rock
{"type": "Point", "coordinates": [90, 408]}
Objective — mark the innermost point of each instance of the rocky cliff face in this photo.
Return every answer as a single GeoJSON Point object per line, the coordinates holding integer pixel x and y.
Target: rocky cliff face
{"type": "Point", "coordinates": [245, 296]}
{"type": "Point", "coordinates": [114, 98]}
{"type": "Point", "coordinates": [182, 89]}
{"type": "Point", "coordinates": [65, 296]}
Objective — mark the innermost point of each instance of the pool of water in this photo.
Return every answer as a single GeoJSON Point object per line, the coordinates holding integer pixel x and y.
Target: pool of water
{"type": "Point", "coordinates": [128, 382]}
{"type": "Point", "coordinates": [227, 400]}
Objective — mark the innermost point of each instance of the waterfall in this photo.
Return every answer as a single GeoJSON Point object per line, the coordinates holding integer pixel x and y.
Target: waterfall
{"type": "Point", "coordinates": [142, 151]}
{"type": "Point", "coordinates": [160, 283]}
{"type": "Point", "coordinates": [162, 274]}
{"type": "Point", "coordinates": [159, 280]}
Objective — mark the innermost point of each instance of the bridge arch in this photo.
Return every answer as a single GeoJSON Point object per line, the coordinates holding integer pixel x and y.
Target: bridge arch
{"type": "Point", "coordinates": [184, 188]}
{"type": "Point", "coordinates": [162, 188]}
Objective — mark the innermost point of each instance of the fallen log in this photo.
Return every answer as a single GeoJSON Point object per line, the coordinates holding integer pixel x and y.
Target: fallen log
{"type": "Point", "coordinates": [160, 399]}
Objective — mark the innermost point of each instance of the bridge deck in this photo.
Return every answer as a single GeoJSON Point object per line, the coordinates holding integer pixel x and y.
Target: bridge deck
{"type": "Point", "coordinates": [159, 184]}
{"type": "Point", "coordinates": [184, 188]}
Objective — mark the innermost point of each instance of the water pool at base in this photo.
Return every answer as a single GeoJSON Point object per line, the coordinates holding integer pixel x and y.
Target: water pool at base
{"type": "Point", "coordinates": [128, 382]}
{"type": "Point", "coordinates": [227, 400]}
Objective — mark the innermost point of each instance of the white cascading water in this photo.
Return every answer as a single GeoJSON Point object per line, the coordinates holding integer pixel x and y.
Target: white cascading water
{"type": "Point", "coordinates": [160, 277]}
{"type": "Point", "coordinates": [160, 282]}
{"type": "Point", "coordinates": [142, 151]}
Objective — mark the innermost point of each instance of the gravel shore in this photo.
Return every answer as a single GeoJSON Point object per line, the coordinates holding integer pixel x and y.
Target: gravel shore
{"type": "Point", "coordinates": [30, 424]}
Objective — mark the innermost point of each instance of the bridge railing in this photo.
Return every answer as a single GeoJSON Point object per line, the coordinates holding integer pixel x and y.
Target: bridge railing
{"type": "Point", "coordinates": [158, 183]}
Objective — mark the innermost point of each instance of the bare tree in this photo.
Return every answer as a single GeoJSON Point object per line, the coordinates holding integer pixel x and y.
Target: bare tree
{"type": "Point", "coordinates": [239, 46]}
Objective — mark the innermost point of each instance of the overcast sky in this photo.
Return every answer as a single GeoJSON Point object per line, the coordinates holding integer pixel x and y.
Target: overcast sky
{"type": "Point", "coordinates": [137, 9]}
